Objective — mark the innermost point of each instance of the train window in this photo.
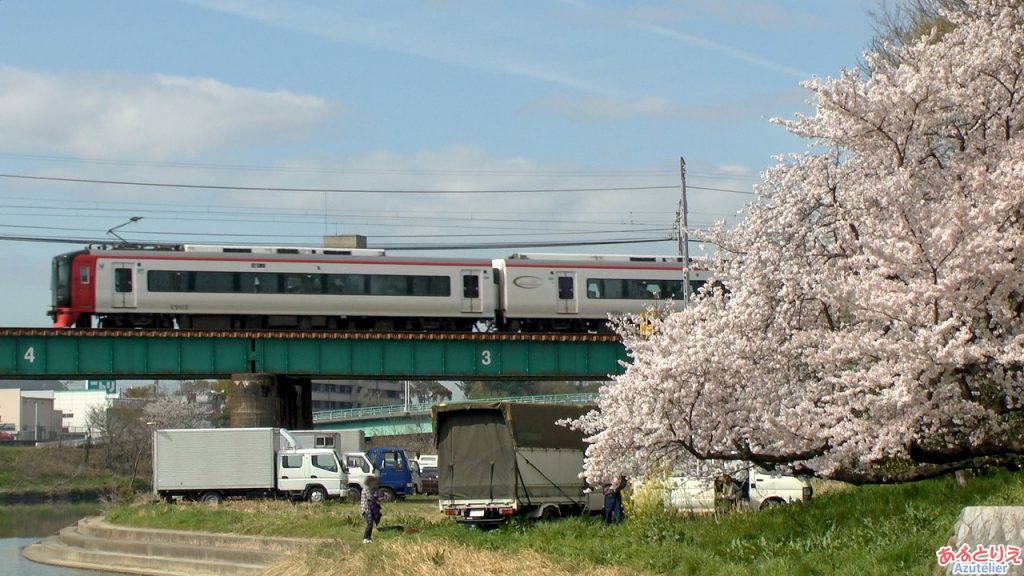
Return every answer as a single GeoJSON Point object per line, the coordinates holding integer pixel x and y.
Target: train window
{"type": "Point", "coordinates": [389, 285]}
{"type": "Point", "coordinates": [294, 284]}
{"type": "Point", "coordinates": [313, 283]}
{"type": "Point", "coordinates": [257, 283]}
{"type": "Point", "coordinates": [166, 281]}
{"type": "Point", "coordinates": [470, 286]}
{"type": "Point", "coordinates": [83, 274]}
{"type": "Point", "coordinates": [566, 288]}
{"type": "Point", "coordinates": [353, 284]}
{"type": "Point", "coordinates": [672, 289]}
{"type": "Point", "coordinates": [431, 286]}
{"type": "Point", "coordinates": [214, 282]}
{"type": "Point", "coordinates": [123, 280]}
{"type": "Point", "coordinates": [621, 289]}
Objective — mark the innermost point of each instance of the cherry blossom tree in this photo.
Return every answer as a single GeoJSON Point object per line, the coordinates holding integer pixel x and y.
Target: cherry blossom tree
{"type": "Point", "coordinates": [871, 328]}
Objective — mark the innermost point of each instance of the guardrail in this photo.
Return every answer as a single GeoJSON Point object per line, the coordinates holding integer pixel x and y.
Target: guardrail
{"type": "Point", "coordinates": [420, 408]}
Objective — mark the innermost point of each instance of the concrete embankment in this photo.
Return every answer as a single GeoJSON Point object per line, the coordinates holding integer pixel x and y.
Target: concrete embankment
{"type": "Point", "coordinates": [96, 545]}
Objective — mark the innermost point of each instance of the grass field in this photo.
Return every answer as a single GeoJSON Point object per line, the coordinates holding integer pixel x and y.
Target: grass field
{"type": "Point", "coordinates": [54, 471]}
{"type": "Point", "coordinates": [866, 530]}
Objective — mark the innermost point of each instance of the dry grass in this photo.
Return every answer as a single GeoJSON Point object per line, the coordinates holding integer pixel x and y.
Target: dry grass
{"type": "Point", "coordinates": [427, 557]}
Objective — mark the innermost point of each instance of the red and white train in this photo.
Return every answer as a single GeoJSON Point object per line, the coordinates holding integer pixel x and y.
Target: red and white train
{"type": "Point", "coordinates": [225, 287]}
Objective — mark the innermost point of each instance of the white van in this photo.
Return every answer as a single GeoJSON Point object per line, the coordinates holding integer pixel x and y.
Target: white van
{"type": "Point", "coordinates": [748, 486]}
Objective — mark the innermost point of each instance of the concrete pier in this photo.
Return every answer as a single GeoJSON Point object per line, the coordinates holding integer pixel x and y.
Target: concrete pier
{"type": "Point", "coordinates": [269, 401]}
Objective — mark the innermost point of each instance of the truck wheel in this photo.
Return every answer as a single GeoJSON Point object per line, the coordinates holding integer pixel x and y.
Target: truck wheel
{"type": "Point", "coordinates": [355, 494]}
{"type": "Point", "coordinates": [772, 503]}
{"type": "Point", "coordinates": [316, 495]}
{"type": "Point", "coordinates": [211, 498]}
{"type": "Point", "coordinates": [550, 513]}
{"type": "Point", "coordinates": [389, 494]}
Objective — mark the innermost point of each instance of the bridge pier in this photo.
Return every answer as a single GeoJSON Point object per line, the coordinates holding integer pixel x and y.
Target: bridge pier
{"type": "Point", "coordinates": [267, 401]}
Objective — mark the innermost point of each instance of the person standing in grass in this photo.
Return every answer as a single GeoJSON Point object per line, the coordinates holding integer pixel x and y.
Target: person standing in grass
{"type": "Point", "coordinates": [613, 501]}
{"type": "Point", "coordinates": [369, 506]}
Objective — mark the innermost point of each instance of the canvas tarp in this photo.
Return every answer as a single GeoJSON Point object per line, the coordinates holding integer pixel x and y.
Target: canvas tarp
{"type": "Point", "coordinates": [476, 443]}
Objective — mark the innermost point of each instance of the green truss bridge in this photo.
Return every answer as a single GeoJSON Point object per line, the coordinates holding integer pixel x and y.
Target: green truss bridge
{"type": "Point", "coordinates": [33, 353]}
{"type": "Point", "coordinates": [271, 370]}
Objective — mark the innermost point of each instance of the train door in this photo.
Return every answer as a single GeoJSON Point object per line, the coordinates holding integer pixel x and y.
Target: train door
{"type": "Point", "coordinates": [471, 283]}
{"type": "Point", "coordinates": [566, 285]}
{"type": "Point", "coordinates": [124, 285]}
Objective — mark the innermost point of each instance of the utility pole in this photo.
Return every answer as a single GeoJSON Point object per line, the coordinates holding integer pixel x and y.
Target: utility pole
{"type": "Point", "coordinates": [682, 233]}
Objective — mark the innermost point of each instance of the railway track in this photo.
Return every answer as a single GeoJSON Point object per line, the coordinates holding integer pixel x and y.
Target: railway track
{"type": "Point", "coordinates": [297, 335]}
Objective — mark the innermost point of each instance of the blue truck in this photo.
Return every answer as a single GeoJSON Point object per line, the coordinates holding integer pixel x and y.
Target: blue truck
{"type": "Point", "coordinates": [393, 467]}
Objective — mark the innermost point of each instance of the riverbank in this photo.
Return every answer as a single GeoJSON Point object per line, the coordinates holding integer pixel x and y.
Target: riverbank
{"type": "Point", "coordinates": [35, 475]}
{"type": "Point", "coordinates": [23, 525]}
{"type": "Point", "coordinates": [865, 530]}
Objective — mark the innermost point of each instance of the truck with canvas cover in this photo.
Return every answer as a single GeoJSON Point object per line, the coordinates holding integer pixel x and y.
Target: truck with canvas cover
{"type": "Point", "coordinates": [502, 459]}
{"type": "Point", "coordinates": [210, 465]}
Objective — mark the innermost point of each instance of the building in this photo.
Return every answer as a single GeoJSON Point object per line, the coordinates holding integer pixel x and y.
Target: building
{"type": "Point", "coordinates": [75, 405]}
{"type": "Point", "coordinates": [342, 394]}
{"type": "Point", "coordinates": [30, 414]}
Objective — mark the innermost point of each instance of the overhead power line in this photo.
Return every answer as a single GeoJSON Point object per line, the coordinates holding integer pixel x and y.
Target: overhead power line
{"type": "Point", "coordinates": [394, 247]}
{"type": "Point", "coordinates": [325, 190]}
{"type": "Point", "coordinates": [539, 172]}
{"type": "Point", "coordinates": [355, 190]}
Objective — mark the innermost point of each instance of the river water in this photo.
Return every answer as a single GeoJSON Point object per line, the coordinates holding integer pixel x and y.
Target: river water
{"type": "Point", "coordinates": [21, 525]}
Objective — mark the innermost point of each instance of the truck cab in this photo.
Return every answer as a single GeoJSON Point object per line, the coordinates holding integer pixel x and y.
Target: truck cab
{"type": "Point", "coordinates": [359, 467]}
{"type": "Point", "coordinates": [392, 466]}
{"type": "Point", "coordinates": [311, 474]}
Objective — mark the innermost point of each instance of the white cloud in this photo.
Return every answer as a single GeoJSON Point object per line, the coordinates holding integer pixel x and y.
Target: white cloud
{"type": "Point", "coordinates": [145, 116]}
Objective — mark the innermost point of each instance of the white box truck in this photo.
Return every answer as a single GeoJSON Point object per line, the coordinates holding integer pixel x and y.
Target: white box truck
{"type": "Point", "coordinates": [501, 459]}
{"type": "Point", "coordinates": [212, 464]}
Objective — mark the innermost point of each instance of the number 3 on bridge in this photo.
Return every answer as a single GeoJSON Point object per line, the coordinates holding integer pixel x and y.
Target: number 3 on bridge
{"type": "Point", "coordinates": [485, 357]}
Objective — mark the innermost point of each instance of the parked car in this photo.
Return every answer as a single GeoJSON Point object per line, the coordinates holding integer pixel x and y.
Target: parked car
{"type": "Point", "coordinates": [429, 478]}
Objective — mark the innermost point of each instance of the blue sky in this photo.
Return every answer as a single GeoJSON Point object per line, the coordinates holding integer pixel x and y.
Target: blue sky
{"type": "Point", "coordinates": [428, 96]}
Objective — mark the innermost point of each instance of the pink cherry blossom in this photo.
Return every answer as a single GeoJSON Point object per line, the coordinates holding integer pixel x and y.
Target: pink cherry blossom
{"type": "Point", "coordinates": [871, 327]}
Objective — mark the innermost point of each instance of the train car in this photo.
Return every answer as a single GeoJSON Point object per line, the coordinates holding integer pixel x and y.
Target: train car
{"type": "Point", "coordinates": [577, 292]}
{"type": "Point", "coordinates": [209, 287]}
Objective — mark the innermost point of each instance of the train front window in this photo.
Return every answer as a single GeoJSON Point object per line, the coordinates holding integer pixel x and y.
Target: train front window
{"type": "Point", "coordinates": [60, 281]}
